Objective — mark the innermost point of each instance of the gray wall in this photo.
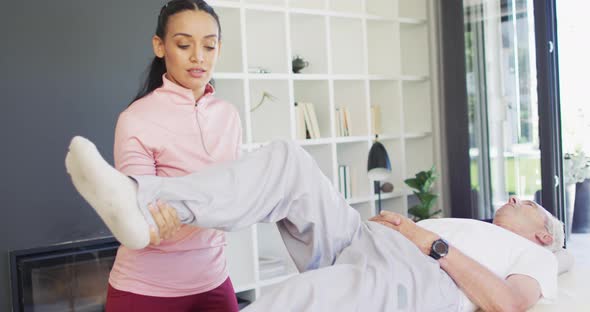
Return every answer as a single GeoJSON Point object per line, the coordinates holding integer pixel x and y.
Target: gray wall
{"type": "Point", "coordinates": [67, 67]}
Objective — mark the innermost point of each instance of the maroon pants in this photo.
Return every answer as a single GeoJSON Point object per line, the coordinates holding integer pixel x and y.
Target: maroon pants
{"type": "Point", "coordinates": [220, 299]}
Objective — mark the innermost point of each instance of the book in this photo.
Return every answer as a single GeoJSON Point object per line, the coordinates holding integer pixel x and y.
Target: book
{"type": "Point", "coordinates": [345, 181]}
{"type": "Point", "coordinates": [342, 122]}
{"type": "Point", "coordinates": [301, 131]}
{"type": "Point", "coordinates": [307, 119]}
{"type": "Point", "coordinates": [314, 125]}
{"type": "Point", "coordinates": [346, 121]}
{"type": "Point", "coordinates": [341, 181]}
{"type": "Point", "coordinates": [348, 181]}
{"type": "Point", "coordinates": [338, 123]}
{"type": "Point", "coordinates": [311, 122]}
{"type": "Point", "coordinates": [376, 119]}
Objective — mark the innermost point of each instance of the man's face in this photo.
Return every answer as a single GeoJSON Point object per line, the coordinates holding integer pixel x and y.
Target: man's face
{"type": "Point", "coordinates": [523, 217]}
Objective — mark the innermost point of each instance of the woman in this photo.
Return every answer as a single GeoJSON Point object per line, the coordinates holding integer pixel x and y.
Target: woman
{"type": "Point", "coordinates": [174, 127]}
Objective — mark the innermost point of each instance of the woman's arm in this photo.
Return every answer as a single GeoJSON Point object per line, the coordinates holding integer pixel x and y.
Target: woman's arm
{"type": "Point", "coordinates": [132, 156]}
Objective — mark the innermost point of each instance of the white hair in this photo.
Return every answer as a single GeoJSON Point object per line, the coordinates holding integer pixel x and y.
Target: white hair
{"type": "Point", "coordinates": [556, 230]}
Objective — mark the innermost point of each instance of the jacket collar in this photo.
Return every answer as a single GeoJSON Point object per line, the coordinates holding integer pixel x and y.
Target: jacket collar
{"type": "Point", "coordinates": [181, 95]}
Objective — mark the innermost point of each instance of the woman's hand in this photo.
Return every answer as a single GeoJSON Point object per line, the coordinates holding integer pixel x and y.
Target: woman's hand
{"type": "Point", "coordinates": [421, 237]}
{"type": "Point", "coordinates": [167, 221]}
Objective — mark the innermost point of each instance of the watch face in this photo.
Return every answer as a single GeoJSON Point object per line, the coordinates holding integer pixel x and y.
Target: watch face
{"type": "Point", "coordinates": [440, 248]}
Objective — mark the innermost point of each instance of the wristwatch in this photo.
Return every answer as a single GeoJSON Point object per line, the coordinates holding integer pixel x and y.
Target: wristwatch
{"type": "Point", "coordinates": [439, 249]}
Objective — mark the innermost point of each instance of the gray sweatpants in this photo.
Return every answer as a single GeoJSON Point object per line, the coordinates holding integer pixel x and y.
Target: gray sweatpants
{"type": "Point", "coordinates": [346, 264]}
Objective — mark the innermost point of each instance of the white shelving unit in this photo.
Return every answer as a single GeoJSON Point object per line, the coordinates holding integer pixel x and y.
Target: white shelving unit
{"type": "Point", "coordinates": [361, 53]}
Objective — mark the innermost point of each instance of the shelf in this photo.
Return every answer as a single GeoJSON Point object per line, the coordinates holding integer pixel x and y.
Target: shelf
{"type": "Point", "coordinates": [416, 9]}
{"type": "Point", "coordinates": [352, 95]}
{"type": "Point", "coordinates": [317, 5]}
{"type": "Point", "coordinates": [322, 154]}
{"type": "Point", "coordinates": [397, 160]}
{"type": "Point", "coordinates": [270, 244]}
{"type": "Point", "coordinates": [386, 137]}
{"type": "Point", "coordinates": [348, 6]}
{"type": "Point", "coordinates": [241, 253]}
{"type": "Point", "coordinates": [354, 156]}
{"type": "Point", "coordinates": [308, 41]}
{"type": "Point", "coordinates": [385, 95]}
{"type": "Point", "coordinates": [336, 77]}
{"type": "Point", "coordinates": [366, 209]}
{"type": "Point", "coordinates": [267, 76]}
{"type": "Point", "coordinates": [224, 4]}
{"type": "Point", "coordinates": [395, 204]}
{"type": "Point", "coordinates": [417, 107]}
{"type": "Point", "coordinates": [317, 93]}
{"type": "Point", "coordinates": [232, 91]}
{"type": "Point", "coordinates": [313, 12]}
{"type": "Point", "coordinates": [383, 77]}
{"type": "Point", "coordinates": [266, 41]}
{"type": "Point", "coordinates": [231, 48]}
{"type": "Point", "coordinates": [266, 3]}
{"type": "Point", "coordinates": [411, 21]}
{"type": "Point", "coordinates": [383, 9]}
{"type": "Point", "coordinates": [347, 38]}
{"type": "Point", "coordinates": [228, 75]}
{"type": "Point", "coordinates": [383, 47]}
{"type": "Point", "coordinates": [361, 53]}
{"type": "Point", "coordinates": [413, 78]}
{"type": "Point", "coordinates": [417, 135]}
{"type": "Point", "coordinates": [415, 54]}
{"type": "Point", "coordinates": [352, 139]}
{"type": "Point", "coordinates": [312, 7]}
{"type": "Point", "coordinates": [419, 155]}
{"type": "Point", "coordinates": [271, 120]}
{"type": "Point", "coordinates": [311, 77]}
{"type": "Point", "coordinates": [311, 142]}
{"type": "Point", "coordinates": [344, 77]}
{"type": "Point", "coordinates": [394, 194]}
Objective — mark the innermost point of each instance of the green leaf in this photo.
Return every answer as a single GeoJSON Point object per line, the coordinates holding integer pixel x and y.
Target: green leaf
{"type": "Point", "coordinates": [426, 198]}
{"type": "Point", "coordinates": [435, 213]}
{"type": "Point", "coordinates": [419, 212]}
{"type": "Point", "coordinates": [413, 183]}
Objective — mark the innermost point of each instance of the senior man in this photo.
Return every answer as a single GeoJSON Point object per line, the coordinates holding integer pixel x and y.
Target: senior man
{"type": "Point", "coordinates": [346, 264]}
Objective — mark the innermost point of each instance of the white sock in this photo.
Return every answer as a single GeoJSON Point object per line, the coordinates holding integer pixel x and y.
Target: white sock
{"type": "Point", "coordinates": [112, 194]}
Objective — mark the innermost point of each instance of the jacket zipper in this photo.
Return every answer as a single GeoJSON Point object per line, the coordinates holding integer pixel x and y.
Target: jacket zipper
{"type": "Point", "coordinates": [201, 131]}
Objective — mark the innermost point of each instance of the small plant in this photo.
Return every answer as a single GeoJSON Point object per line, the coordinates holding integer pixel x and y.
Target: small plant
{"type": "Point", "coordinates": [422, 184]}
{"type": "Point", "coordinates": [576, 167]}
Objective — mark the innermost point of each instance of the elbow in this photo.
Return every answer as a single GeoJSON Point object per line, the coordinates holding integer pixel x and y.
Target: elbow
{"type": "Point", "coordinates": [511, 304]}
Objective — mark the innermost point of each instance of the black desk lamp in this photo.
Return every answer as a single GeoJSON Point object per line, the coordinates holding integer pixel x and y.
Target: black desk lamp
{"type": "Point", "coordinates": [378, 166]}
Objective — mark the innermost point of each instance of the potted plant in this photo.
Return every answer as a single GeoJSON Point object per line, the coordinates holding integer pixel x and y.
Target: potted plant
{"type": "Point", "coordinates": [422, 184]}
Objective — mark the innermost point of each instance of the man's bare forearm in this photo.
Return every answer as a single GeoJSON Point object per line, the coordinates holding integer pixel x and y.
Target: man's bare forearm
{"type": "Point", "coordinates": [480, 285]}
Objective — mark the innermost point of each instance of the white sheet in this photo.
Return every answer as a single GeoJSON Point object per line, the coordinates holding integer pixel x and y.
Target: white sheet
{"type": "Point", "coordinates": [573, 293]}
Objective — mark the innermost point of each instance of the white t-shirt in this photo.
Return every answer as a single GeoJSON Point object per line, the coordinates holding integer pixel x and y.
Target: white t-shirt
{"type": "Point", "coordinates": [501, 251]}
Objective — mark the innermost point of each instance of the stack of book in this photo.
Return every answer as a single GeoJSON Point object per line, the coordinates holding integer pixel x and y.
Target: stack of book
{"type": "Point", "coordinates": [342, 121]}
{"type": "Point", "coordinates": [345, 181]}
{"type": "Point", "coordinates": [306, 121]}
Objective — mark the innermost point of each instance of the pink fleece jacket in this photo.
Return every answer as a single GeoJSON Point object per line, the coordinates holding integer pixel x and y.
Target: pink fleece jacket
{"type": "Point", "coordinates": [168, 133]}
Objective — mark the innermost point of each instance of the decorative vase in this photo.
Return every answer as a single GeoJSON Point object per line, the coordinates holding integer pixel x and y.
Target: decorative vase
{"type": "Point", "coordinates": [298, 64]}
{"type": "Point", "coordinates": [581, 219]}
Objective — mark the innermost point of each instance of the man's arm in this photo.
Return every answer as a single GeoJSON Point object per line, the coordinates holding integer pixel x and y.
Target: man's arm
{"type": "Point", "coordinates": [480, 285]}
{"type": "Point", "coordinates": [487, 290]}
